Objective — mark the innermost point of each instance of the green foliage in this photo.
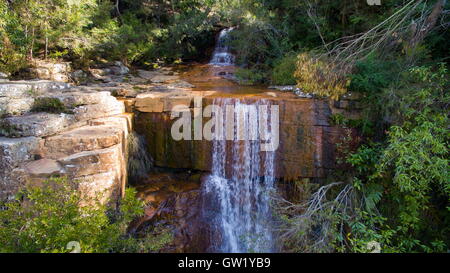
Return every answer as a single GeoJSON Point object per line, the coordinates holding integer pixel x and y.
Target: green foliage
{"type": "Point", "coordinates": [46, 218]}
{"type": "Point", "coordinates": [49, 105]}
{"type": "Point", "coordinates": [370, 234]}
{"type": "Point", "coordinates": [338, 120]}
{"type": "Point", "coordinates": [417, 156]}
{"type": "Point", "coordinates": [411, 171]}
{"type": "Point", "coordinates": [363, 125]}
{"type": "Point", "coordinates": [372, 76]}
{"type": "Point", "coordinates": [12, 41]}
{"type": "Point", "coordinates": [283, 72]}
{"type": "Point", "coordinates": [127, 41]}
{"type": "Point", "coordinates": [249, 76]}
{"type": "Point", "coordinates": [396, 195]}
{"type": "Point", "coordinates": [318, 76]}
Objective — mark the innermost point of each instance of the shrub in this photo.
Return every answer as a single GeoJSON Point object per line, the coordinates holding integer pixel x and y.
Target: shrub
{"type": "Point", "coordinates": [249, 76]}
{"type": "Point", "coordinates": [320, 77]}
{"type": "Point", "coordinates": [371, 76]}
{"type": "Point", "coordinates": [412, 168]}
{"type": "Point", "coordinates": [283, 72]}
{"type": "Point", "coordinates": [49, 105]}
{"type": "Point", "coordinates": [45, 219]}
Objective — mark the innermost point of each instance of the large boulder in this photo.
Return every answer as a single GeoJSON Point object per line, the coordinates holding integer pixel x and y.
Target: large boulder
{"type": "Point", "coordinates": [22, 89]}
{"type": "Point", "coordinates": [109, 106]}
{"type": "Point", "coordinates": [92, 162]}
{"type": "Point", "coordinates": [86, 106]}
{"type": "Point", "coordinates": [43, 168]}
{"type": "Point", "coordinates": [119, 69]}
{"type": "Point", "coordinates": [157, 102]}
{"type": "Point", "coordinates": [75, 97]}
{"type": "Point", "coordinates": [86, 142]}
{"type": "Point", "coordinates": [58, 72]}
{"type": "Point", "coordinates": [94, 155]}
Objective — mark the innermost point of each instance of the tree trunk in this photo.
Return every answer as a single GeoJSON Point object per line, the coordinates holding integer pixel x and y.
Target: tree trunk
{"type": "Point", "coordinates": [117, 8]}
{"type": "Point", "coordinates": [32, 43]}
{"type": "Point", "coordinates": [46, 47]}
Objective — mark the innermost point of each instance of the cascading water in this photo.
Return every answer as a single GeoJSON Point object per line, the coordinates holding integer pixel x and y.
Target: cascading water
{"type": "Point", "coordinates": [236, 194]}
{"type": "Point", "coordinates": [222, 55]}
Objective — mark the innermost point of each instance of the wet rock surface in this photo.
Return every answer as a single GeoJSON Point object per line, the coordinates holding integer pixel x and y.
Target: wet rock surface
{"type": "Point", "coordinates": [306, 147]}
{"type": "Point", "coordinates": [174, 201]}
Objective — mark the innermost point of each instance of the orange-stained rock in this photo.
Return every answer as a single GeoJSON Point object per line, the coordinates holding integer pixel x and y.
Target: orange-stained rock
{"type": "Point", "coordinates": [149, 103]}
{"type": "Point", "coordinates": [306, 143]}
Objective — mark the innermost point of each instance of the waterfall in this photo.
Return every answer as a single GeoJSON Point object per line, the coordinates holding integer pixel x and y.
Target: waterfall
{"type": "Point", "coordinates": [236, 194]}
{"type": "Point", "coordinates": [222, 55]}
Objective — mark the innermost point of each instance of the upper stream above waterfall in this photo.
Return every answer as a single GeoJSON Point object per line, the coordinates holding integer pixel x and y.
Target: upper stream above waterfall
{"type": "Point", "coordinates": [218, 73]}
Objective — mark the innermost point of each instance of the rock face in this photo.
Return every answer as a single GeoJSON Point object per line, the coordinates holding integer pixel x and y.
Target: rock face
{"type": "Point", "coordinates": [3, 76]}
{"type": "Point", "coordinates": [14, 151]}
{"type": "Point", "coordinates": [58, 72]}
{"type": "Point", "coordinates": [349, 105]}
{"type": "Point", "coordinates": [18, 97]}
{"type": "Point", "coordinates": [88, 140]}
{"type": "Point", "coordinates": [87, 144]}
{"type": "Point", "coordinates": [307, 141]}
{"type": "Point", "coordinates": [175, 202]}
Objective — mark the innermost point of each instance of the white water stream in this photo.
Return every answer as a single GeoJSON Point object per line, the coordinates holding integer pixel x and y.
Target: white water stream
{"type": "Point", "coordinates": [237, 192]}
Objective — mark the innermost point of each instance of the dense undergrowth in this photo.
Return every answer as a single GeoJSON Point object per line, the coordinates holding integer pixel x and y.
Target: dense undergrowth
{"type": "Point", "coordinates": [57, 218]}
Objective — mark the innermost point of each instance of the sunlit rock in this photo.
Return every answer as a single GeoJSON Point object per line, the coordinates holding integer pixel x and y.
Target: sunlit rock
{"type": "Point", "coordinates": [14, 151]}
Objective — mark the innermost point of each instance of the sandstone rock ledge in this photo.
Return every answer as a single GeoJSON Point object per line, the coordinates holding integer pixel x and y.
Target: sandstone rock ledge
{"type": "Point", "coordinates": [87, 144]}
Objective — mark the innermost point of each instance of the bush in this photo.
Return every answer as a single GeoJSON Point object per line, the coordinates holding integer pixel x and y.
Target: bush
{"type": "Point", "coordinates": [46, 219]}
{"type": "Point", "coordinates": [371, 76]}
{"type": "Point", "coordinates": [283, 72]}
{"type": "Point", "coordinates": [249, 76]}
{"type": "Point", "coordinates": [320, 77]}
{"type": "Point", "coordinates": [12, 41]}
{"type": "Point", "coordinates": [412, 167]}
{"type": "Point", "coordinates": [49, 105]}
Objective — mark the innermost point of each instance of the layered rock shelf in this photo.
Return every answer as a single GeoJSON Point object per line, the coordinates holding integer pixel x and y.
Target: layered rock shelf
{"type": "Point", "coordinates": [307, 140]}
{"type": "Point", "coordinates": [87, 143]}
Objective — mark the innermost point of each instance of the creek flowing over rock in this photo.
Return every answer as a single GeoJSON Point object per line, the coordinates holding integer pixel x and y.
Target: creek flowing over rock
{"type": "Point", "coordinates": [222, 54]}
{"type": "Point", "coordinates": [237, 203]}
